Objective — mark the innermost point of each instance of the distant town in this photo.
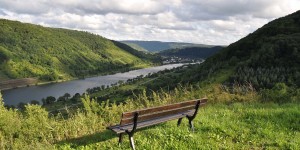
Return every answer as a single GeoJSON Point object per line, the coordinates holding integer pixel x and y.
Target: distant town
{"type": "Point", "coordinates": [174, 60]}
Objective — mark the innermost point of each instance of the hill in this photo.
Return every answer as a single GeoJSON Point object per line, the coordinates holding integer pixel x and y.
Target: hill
{"type": "Point", "coordinates": [191, 52]}
{"type": "Point", "coordinates": [265, 57]}
{"type": "Point", "coordinates": [28, 50]}
{"type": "Point", "coordinates": [268, 58]}
{"type": "Point", "coordinates": [135, 46]}
{"type": "Point", "coordinates": [156, 46]}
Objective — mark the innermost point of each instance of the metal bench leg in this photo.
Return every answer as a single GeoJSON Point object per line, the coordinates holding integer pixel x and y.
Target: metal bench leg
{"type": "Point", "coordinates": [131, 142]}
{"type": "Point", "coordinates": [191, 125]}
{"type": "Point", "coordinates": [130, 134]}
{"type": "Point", "coordinates": [191, 118]}
{"type": "Point", "coordinates": [120, 138]}
{"type": "Point", "coordinates": [179, 122]}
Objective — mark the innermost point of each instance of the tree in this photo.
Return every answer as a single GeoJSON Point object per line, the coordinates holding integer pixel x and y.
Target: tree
{"type": "Point", "coordinates": [21, 106]}
{"type": "Point", "coordinates": [120, 82]}
{"type": "Point", "coordinates": [75, 98]}
{"type": "Point", "coordinates": [67, 96]}
{"type": "Point", "coordinates": [35, 102]}
{"type": "Point", "coordinates": [61, 99]}
{"type": "Point", "coordinates": [10, 106]}
{"type": "Point", "coordinates": [102, 87]}
{"type": "Point", "coordinates": [50, 100]}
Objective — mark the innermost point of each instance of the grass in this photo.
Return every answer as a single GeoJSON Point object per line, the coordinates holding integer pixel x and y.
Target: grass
{"type": "Point", "coordinates": [232, 120]}
{"type": "Point", "coordinates": [219, 126]}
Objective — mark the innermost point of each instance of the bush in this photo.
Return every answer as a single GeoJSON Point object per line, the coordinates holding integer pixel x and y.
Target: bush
{"type": "Point", "coordinates": [36, 124]}
{"type": "Point", "coordinates": [280, 93]}
{"type": "Point", "coordinates": [10, 125]}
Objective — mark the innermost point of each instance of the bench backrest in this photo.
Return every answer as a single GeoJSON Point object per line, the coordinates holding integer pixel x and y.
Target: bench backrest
{"type": "Point", "coordinates": [157, 112]}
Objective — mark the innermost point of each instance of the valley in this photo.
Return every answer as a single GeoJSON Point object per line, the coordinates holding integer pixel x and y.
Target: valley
{"type": "Point", "coordinates": [252, 86]}
{"type": "Point", "coordinates": [158, 46]}
{"type": "Point", "coordinates": [27, 94]}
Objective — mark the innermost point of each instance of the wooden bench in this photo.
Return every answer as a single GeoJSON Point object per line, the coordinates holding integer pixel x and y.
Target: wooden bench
{"type": "Point", "coordinates": [131, 121]}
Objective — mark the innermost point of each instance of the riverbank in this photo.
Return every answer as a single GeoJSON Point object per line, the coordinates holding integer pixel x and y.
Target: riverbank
{"type": "Point", "coordinates": [27, 82]}
{"type": "Point", "coordinates": [15, 83]}
{"type": "Point", "coordinates": [57, 89]}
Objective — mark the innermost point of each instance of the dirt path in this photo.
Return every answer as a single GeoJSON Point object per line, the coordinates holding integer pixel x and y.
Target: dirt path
{"type": "Point", "coordinates": [9, 84]}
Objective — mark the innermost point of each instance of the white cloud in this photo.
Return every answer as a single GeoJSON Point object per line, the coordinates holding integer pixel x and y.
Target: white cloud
{"type": "Point", "coordinates": [24, 7]}
{"type": "Point", "coordinates": [199, 21]}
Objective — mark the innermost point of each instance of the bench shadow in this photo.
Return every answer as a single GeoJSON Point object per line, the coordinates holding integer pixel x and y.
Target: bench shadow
{"type": "Point", "coordinates": [89, 139]}
{"type": "Point", "coordinates": [98, 137]}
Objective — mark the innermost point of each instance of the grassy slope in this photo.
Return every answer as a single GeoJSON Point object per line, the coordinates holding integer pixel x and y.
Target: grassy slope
{"type": "Point", "coordinates": [231, 120]}
{"type": "Point", "coordinates": [273, 44]}
{"type": "Point", "coordinates": [135, 46]}
{"type": "Point", "coordinates": [268, 56]}
{"type": "Point", "coordinates": [236, 126]}
{"type": "Point", "coordinates": [28, 50]}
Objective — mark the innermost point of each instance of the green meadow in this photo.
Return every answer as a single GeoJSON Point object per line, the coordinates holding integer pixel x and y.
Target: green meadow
{"type": "Point", "coordinates": [229, 121]}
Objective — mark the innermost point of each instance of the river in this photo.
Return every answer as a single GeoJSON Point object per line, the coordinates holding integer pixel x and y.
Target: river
{"type": "Point", "coordinates": [26, 94]}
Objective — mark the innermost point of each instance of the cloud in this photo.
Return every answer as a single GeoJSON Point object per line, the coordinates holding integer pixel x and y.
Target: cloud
{"type": "Point", "coordinates": [84, 7]}
{"type": "Point", "coordinates": [24, 7]}
{"type": "Point", "coordinates": [220, 9]}
{"type": "Point", "coordinates": [199, 21]}
{"type": "Point", "coordinates": [2, 12]}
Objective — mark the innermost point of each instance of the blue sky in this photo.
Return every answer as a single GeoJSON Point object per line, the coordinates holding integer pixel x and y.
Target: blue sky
{"type": "Point", "coordinates": [218, 22]}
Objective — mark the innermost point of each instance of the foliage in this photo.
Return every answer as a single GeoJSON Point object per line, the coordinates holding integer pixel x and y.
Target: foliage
{"type": "Point", "coordinates": [28, 50]}
{"type": "Point", "coordinates": [192, 52]}
{"type": "Point", "coordinates": [280, 93]}
{"type": "Point", "coordinates": [49, 100]}
{"type": "Point", "coordinates": [147, 56]}
{"type": "Point", "coordinates": [156, 46]}
{"type": "Point", "coordinates": [268, 56]}
{"type": "Point", "coordinates": [239, 124]}
{"type": "Point", "coordinates": [266, 77]}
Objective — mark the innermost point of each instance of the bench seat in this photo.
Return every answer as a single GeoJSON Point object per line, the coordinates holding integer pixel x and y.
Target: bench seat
{"type": "Point", "coordinates": [122, 128]}
{"type": "Point", "coordinates": [138, 119]}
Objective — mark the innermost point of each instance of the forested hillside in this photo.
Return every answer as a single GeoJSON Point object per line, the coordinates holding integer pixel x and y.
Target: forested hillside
{"type": "Point", "coordinates": [191, 52]}
{"type": "Point", "coordinates": [156, 46]}
{"type": "Point", "coordinates": [268, 56]}
{"type": "Point", "coordinates": [267, 61]}
{"type": "Point", "coordinates": [28, 50]}
{"type": "Point", "coordinates": [134, 46]}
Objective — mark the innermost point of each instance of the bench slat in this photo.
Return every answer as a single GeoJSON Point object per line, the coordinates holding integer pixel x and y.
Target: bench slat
{"type": "Point", "coordinates": [122, 128]}
{"type": "Point", "coordinates": [155, 109]}
{"type": "Point", "coordinates": [131, 121]}
{"type": "Point", "coordinates": [158, 114]}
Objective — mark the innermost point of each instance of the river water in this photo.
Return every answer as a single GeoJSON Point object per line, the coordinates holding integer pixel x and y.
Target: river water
{"type": "Point", "coordinates": [26, 94]}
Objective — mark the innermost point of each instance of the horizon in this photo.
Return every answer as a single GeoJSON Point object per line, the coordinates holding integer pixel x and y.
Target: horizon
{"type": "Point", "coordinates": [199, 22]}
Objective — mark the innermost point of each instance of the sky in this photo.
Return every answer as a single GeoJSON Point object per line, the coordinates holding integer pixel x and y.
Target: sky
{"type": "Point", "coordinates": [214, 22]}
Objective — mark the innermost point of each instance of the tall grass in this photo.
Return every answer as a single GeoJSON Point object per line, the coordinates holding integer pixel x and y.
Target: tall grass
{"type": "Point", "coordinates": [34, 128]}
{"type": "Point", "coordinates": [220, 126]}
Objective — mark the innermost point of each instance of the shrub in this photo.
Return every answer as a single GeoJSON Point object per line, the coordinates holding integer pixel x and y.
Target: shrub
{"type": "Point", "coordinates": [279, 93]}
{"type": "Point", "coordinates": [10, 125]}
